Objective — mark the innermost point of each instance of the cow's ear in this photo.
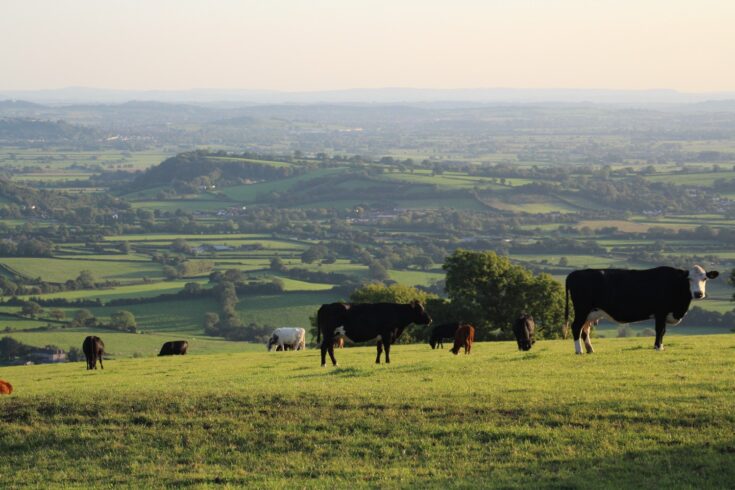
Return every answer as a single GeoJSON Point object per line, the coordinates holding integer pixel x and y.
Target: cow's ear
{"type": "Point", "coordinates": [712, 274]}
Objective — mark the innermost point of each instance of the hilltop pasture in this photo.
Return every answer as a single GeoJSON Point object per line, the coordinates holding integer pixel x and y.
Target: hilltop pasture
{"type": "Point", "coordinates": [625, 417]}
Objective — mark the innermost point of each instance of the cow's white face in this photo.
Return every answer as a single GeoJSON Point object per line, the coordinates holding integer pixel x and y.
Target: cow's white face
{"type": "Point", "coordinates": [698, 281]}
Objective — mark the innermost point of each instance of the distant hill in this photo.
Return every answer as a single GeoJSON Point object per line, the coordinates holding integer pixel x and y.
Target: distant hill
{"type": "Point", "coordinates": [18, 130]}
{"type": "Point", "coordinates": [72, 95]}
{"type": "Point", "coordinates": [203, 169]}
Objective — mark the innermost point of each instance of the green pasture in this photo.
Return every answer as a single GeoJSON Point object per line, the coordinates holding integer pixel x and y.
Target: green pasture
{"type": "Point", "coordinates": [14, 323]}
{"type": "Point", "coordinates": [165, 316]}
{"type": "Point", "coordinates": [186, 205]}
{"type": "Point", "coordinates": [121, 345]}
{"type": "Point", "coordinates": [143, 290]}
{"type": "Point", "coordinates": [296, 285]}
{"type": "Point", "coordinates": [415, 277]}
{"type": "Point", "coordinates": [60, 270]}
{"type": "Point", "coordinates": [702, 179]}
{"type": "Point", "coordinates": [251, 192]}
{"type": "Point", "coordinates": [291, 309]}
{"type": "Point", "coordinates": [170, 237]}
{"type": "Point", "coordinates": [624, 417]}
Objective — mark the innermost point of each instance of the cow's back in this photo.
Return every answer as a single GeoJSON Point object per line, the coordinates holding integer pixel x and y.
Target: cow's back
{"type": "Point", "coordinates": [629, 295]}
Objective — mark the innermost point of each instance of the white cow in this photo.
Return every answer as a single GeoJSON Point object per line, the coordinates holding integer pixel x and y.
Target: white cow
{"type": "Point", "coordinates": [283, 337]}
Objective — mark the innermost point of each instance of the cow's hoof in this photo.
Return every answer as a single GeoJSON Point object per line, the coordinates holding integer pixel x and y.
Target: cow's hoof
{"type": "Point", "coordinates": [658, 347]}
{"type": "Point", "coordinates": [579, 353]}
{"type": "Point", "coordinates": [324, 365]}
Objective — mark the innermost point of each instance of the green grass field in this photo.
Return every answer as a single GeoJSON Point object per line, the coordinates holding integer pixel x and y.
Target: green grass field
{"type": "Point", "coordinates": [625, 417]}
{"type": "Point", "coordinates": [121, 345]}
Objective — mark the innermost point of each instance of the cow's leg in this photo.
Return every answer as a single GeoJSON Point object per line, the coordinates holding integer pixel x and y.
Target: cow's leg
{"type": "Point", "coordinates": [101, 366]}
{"type": "Point", "coordinates": [387, 352]}
{"type": "Point", "coordinates": [330, 349]}
{"type": "Point", "coordinates": [586, 337]}
{"type": "Point", "coordinates": [577, 324]}
{"type": "Point", "coordinates": [380, 351]}
{"type": "Point", "coordinates": [324, 351]}
{"type": "Point", "coordinates": [660, 332]}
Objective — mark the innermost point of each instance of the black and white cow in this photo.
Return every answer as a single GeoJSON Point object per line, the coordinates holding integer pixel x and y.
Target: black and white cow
{"type": "Point", "coordinates": [625, 296]}
{"type": "Point", "coordinates": [362, 322]}
{"type": "Point", "coordinates": [288, 337]}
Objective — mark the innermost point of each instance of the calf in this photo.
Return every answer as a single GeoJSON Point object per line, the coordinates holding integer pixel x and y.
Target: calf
{"type": "Point", "coordinates": [93, 349]}
{"type": "Point", "coordinates": [523, 329]}
{"type": "Point", "coordinates": [174, 348]}
{"type": "Point", "coordinates": [441, 332]}
{"type": "Point", "coordinates": [368, 321]}
{"type": "Point", "coordinates": [463, 337]}
{"type": "Point", "coordinates": [5, 388]}
{"type": "Point", "coordinates": [295, 338]}
{"type": "Point", "coordinates": [625, 296]}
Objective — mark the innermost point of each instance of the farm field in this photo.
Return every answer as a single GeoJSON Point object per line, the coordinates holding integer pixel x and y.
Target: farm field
{"type": "Point", "coordinates": [625, 417]}
{"type": "Point", "coordinates": [120, 345]}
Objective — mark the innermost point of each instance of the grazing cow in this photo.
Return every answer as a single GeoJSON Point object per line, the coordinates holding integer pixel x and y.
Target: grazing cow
{"type": "Point", "coordinates": [463, 337]}
{"type": "Point", "coordinates": [294, 338]}
{"type": "Point", "coordinates": [339, 343]}
{"type": "Point", "coordinates": [93, 348]}
{"type": "Point", "coordinates": [441, 332]}
{"type": "Point", "coordinates": [523, 329]}
{"type": "Point", "coordinates": [368, 321]}
{"type": "Point", "coordinates": [625, 296]}
{"type": "Point", "coordinates": [5, 388]}
{"type": "Point", "coordinates": [174, 348]}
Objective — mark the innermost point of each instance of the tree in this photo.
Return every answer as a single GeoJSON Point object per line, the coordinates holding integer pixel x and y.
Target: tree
{"type": "Point", "coordinates": [123, 320]}
{"type": "Point", "coordinates": [192, 288]}
{"type": "Point", "coordinates": [84, 318]}
{"type": "Point", "coordinates": [377, 271]}
{"type": "Point", "coordinates": [211, 320]}
{"type": "Point", "coordinates": [170, 272]}
{"type": "Point", "coordinates": [277, 264]}
{"type": "Point", "coordinates": [57, 314]}
{"type": "Point", "coordinates": [85, 280]}
{"type": "Point", "coordinates": [11, 349]}
{"type": "Point", "coordinates": [30, 308]}
{"type": "Point", "coordinates": [490, 292]}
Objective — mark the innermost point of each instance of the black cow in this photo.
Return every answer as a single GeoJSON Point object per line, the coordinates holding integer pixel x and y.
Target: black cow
{"type": "Point", "coordinates": [523, 329]}
{"type": "Point", "coordinates": [441, 332]}
{"type": "Point", "coordinates": [624, 296]}
{"type": "Point", "coordinates": [93, 348]}
{"type": "Point", "coordinates": [174, 348]}
{"type": "Point", "coordinates": [363, 322]}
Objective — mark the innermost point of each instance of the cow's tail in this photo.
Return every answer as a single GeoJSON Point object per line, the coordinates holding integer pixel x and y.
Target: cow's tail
{"type": "Point", "coordinates": [318, 328]}
{"type": "Point", "coordinates": [565, 329]}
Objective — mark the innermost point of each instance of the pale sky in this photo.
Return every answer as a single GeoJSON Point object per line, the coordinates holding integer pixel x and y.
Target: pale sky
{"type": "Point", "coordinates": [302, 45]}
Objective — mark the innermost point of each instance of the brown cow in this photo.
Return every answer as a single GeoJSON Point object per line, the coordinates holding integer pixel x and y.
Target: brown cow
{"type": "Point", "coordinates": [5, 388]}
{"type": "Point", "coordinates": [464, 336]}
{"type": "Point", "coordinates": [339, 342]}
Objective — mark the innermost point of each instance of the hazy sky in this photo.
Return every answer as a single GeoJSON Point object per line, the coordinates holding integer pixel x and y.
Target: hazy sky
{"type": "Point", "coordinates": [336, 44]}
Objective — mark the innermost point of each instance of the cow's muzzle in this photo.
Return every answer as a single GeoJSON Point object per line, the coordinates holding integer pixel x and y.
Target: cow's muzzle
{"type": "Point", "coordinates": [698, 295]}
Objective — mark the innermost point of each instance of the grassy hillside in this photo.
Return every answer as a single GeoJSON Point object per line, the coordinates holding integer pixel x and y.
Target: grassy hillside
{"type": "Point", "coordinates": [624, 417]}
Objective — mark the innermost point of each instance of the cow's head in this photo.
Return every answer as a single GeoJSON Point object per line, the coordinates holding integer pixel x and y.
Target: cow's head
{"type": "Point", "coordinates": [433, 342]}
{"type": "Point", "coordinates": [272, 341]}
{"type": "Point", "coordinates": [698, 280]}
{"type": "Point", "coordinates": [420, 317]}
{"type": "Point", "coordinates": [525, 334]}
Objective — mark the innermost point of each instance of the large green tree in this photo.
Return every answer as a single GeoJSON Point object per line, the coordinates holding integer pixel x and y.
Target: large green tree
{"type": "Point", "coordinates": [489, 291]}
